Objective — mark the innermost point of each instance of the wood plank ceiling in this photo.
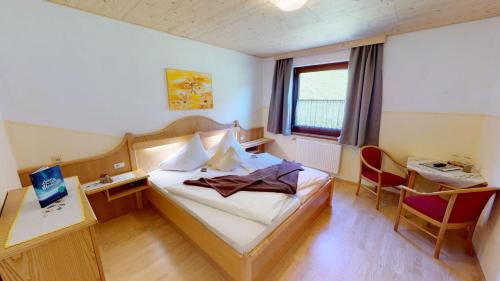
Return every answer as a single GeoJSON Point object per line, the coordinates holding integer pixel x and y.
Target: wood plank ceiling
{"type": "Point", "coordinates": [258, 28]}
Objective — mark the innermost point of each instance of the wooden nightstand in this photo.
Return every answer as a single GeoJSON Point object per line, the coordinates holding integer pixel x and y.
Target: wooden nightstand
{"type": "Point", "coordinates": [70, 253]}
{"type": "Point", "coordinates": [110, 200]}
{"type": "Point", "coordinates": [256, 146]}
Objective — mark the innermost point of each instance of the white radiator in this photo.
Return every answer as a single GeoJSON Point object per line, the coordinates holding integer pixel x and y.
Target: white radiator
{"type": "Point", "coordinates": [321, 155]}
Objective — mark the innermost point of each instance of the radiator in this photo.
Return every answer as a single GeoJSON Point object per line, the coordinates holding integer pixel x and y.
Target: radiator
{"type": "Point", "coordinates": [321, 155]}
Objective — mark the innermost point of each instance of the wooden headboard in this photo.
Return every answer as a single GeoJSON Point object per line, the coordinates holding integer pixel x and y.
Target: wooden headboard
{"type": "Point", "coordinates": [148, 150]}
{"type": "Point", "coordinates": [89, 169]}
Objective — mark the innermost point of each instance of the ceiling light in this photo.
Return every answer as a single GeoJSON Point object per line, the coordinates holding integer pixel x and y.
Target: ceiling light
{"type": "Point", "coordinates": [289, 5]}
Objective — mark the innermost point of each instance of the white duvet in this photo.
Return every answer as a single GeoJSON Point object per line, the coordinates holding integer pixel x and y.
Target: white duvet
{"type": "Point", "coordinates": [263, 207]}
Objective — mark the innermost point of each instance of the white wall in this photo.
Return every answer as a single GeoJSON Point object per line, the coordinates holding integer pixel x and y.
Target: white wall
{"type": "Point", "coordinates": [64, 68]}
{"type": "Point", "coordinates": [450, 69]}
{"type": "Point", "coordinates": [487, 237]}
{"type": "Point", "coordinates": [8, 166]}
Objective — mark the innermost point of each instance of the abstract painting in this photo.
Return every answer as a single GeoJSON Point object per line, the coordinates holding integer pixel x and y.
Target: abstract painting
{"type": "Point", "coordinates": [189, 90]}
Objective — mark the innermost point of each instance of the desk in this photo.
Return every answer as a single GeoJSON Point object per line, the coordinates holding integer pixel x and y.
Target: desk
{"type": "Point", "coordinates": [70, 253]}
{"type": "Point", "coordinates": [459, 178]}
{"type": "Point", "coordinates": [117, 198]}
{"type": "Point", "coordinates": [256, 146]}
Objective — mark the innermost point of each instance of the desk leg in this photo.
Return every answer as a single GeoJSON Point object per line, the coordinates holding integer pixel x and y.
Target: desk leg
{"type": "Point", "coordinates": [261, 148]}
{"type": "Point", "coordinates": [138, 198]}
{"type": "Point", "coordinates": [411, 179]}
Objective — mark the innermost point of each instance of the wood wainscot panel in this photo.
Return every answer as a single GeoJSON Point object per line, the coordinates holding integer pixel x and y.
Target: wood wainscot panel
{"type": "Point", "coordinates": [88, 169]}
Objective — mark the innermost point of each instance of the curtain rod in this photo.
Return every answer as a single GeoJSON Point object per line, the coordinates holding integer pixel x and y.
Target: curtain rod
{"type": "Point", "coordinates": [333, 47]}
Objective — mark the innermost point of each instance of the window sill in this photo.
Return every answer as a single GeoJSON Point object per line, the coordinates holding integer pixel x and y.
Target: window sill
{"type": "Point", "coordinates": [316, 136]}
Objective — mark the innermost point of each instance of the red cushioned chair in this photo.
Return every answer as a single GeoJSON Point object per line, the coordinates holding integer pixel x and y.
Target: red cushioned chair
{"type": "Point", "coordinates": [371, 170]}
{"type": "Point", "coordinates": [462, 210]}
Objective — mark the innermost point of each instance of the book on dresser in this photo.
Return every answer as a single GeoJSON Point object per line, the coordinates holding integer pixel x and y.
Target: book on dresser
{"type": "Point", "coordinates": [48, 184]}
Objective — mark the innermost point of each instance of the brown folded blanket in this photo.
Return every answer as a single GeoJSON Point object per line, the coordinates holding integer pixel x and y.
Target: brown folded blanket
{"type": "Point", "coordinates": [281, 178]}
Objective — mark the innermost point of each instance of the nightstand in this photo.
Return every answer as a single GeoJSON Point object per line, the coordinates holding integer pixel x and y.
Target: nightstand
{"type": "Point", "coordinates": [70, 253]}
{"type": "Point", "coordinates": [256, 146]}
{"type": "Point", "coordinates": [124, 194]}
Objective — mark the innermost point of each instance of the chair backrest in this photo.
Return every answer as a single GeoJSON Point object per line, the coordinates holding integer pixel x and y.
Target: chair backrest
{"type": "Point", "coordinates": [373, 156]}
{"type": "Point", "coordinates": [468, 206]}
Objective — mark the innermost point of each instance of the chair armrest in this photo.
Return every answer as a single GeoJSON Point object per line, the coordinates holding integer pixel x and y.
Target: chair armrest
{"type": "Point", "coordinates": [370, 166]}
{"type": "Point", "coordinates": [450, 192]}
{"type": "Point", "coordinates": [394, 160]}
{"type": "Point", "coordinates": [405, 188]}
{"type": "Point", "coordinates": [399, 163]}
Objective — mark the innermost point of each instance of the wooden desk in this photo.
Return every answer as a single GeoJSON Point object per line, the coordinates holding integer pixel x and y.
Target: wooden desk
{"type": "Point", "coordinates": [117, 198]}
{"type": "Point", "coordinates": [256, 146]}
{"type": "Point", "coordinates": [458, 179]}
{"type": "Point", "coordinates": [66, 254]}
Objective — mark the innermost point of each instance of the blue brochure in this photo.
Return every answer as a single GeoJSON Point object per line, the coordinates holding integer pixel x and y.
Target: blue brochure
{"type": "Point", "coordinates": [49, 186]}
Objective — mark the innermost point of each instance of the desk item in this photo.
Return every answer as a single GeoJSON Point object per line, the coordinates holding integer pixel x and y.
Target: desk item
{"type": "Point", "coordinates": [468, 168]}
{"type": "Point", "coordinates": [456, 163]}
{"type": "Point", "coordinates": [454, 177]}
{"type": "Point", "coordinates": [68, 253]}
{"type": "Point", "coordinates": [105, 178]}
{"type": "Point", "coordinates": [48, 185]}
{"type": "Point", "coordinates": [441, 166]}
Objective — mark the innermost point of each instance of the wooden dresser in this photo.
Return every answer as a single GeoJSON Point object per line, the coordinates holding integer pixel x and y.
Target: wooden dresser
{"type": "Point", "coordinates": [256, 146]}
{"type": "Point", "coordinates": [66, 254]}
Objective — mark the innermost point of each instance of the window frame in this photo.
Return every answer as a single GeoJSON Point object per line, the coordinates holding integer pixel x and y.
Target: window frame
{"type": "Point", "coordinates": [301, 130]}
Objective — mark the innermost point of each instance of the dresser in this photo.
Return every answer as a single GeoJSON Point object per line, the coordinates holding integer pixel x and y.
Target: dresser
{"type": "Point", "coordinates": [70, 253]}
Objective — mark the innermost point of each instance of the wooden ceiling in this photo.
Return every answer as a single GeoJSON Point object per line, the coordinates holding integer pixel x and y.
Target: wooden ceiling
{"type": "Point", "coordinates": [258, 28]}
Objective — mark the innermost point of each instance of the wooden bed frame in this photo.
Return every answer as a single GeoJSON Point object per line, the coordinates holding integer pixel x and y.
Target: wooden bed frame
{"type": "Point", "coordinates": [235, 266]}
{"type": "Point", "coordinates": [131, 151]}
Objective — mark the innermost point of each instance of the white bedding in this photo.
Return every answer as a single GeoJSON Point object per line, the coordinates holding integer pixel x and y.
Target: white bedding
{"type": "Point", "coordinates": [241, 226]}
{"type": "Point", "coordinates": [240, 233]}
{"type": "Point", "coordinates": [263, 207]}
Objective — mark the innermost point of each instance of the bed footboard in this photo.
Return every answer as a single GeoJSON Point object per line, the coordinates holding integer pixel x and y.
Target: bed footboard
{"type": "Point", "coordinates": [260, 261]}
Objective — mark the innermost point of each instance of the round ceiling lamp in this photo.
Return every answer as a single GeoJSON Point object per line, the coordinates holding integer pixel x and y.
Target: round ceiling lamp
{"type": "Point", "coordinates": [289, 5]}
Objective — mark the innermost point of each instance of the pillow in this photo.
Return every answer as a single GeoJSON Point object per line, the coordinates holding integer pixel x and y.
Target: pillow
{"type": "Point", "coordinates": [229, 140]}
{"type": "Point", "coordinates": [190, 156]}
{"type": "Point", "coordinates": [228, 161]}
{"type": "Point", "coordinates": [217, 157]}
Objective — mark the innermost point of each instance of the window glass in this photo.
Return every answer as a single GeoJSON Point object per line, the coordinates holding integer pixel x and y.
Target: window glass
{"type": "Point", "coordinates": [319, 99]}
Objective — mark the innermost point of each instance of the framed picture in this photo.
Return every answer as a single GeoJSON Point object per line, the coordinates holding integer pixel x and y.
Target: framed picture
{"type": "Point", "coordinates": [189, 90]}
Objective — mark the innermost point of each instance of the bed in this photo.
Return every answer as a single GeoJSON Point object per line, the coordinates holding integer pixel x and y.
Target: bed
{"type": "Point", "coordinates": [243, 244]}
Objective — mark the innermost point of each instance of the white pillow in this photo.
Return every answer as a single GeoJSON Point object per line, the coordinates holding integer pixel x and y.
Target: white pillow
{"type": "Point", "coordinates": [217, 157]}
{"type": "Point", "coordinates": [229, 140]}
{"type": "Point", "coordinates": [190, 156]}
{"type": "Point", "coordinates": [228, 162]}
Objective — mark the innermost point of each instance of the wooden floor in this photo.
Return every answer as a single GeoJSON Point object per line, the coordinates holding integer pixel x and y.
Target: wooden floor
{"type": "Point", "coordinates": [349, 242]}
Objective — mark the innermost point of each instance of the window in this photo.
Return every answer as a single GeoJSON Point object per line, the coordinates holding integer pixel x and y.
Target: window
{"type": "Point", "coordinates": [319, 94]}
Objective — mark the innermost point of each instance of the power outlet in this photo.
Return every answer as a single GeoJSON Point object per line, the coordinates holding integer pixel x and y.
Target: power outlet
{"type": "Point", "coordinates": [119, 165]}
{"type": "Point", "coordinates": [56, 159]}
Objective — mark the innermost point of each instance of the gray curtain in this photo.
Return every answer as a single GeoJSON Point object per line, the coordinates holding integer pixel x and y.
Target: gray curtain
{"type": "Point", "coordinates": [280, 109]}
{"type": "Point", "coordinates": [361, 125]}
